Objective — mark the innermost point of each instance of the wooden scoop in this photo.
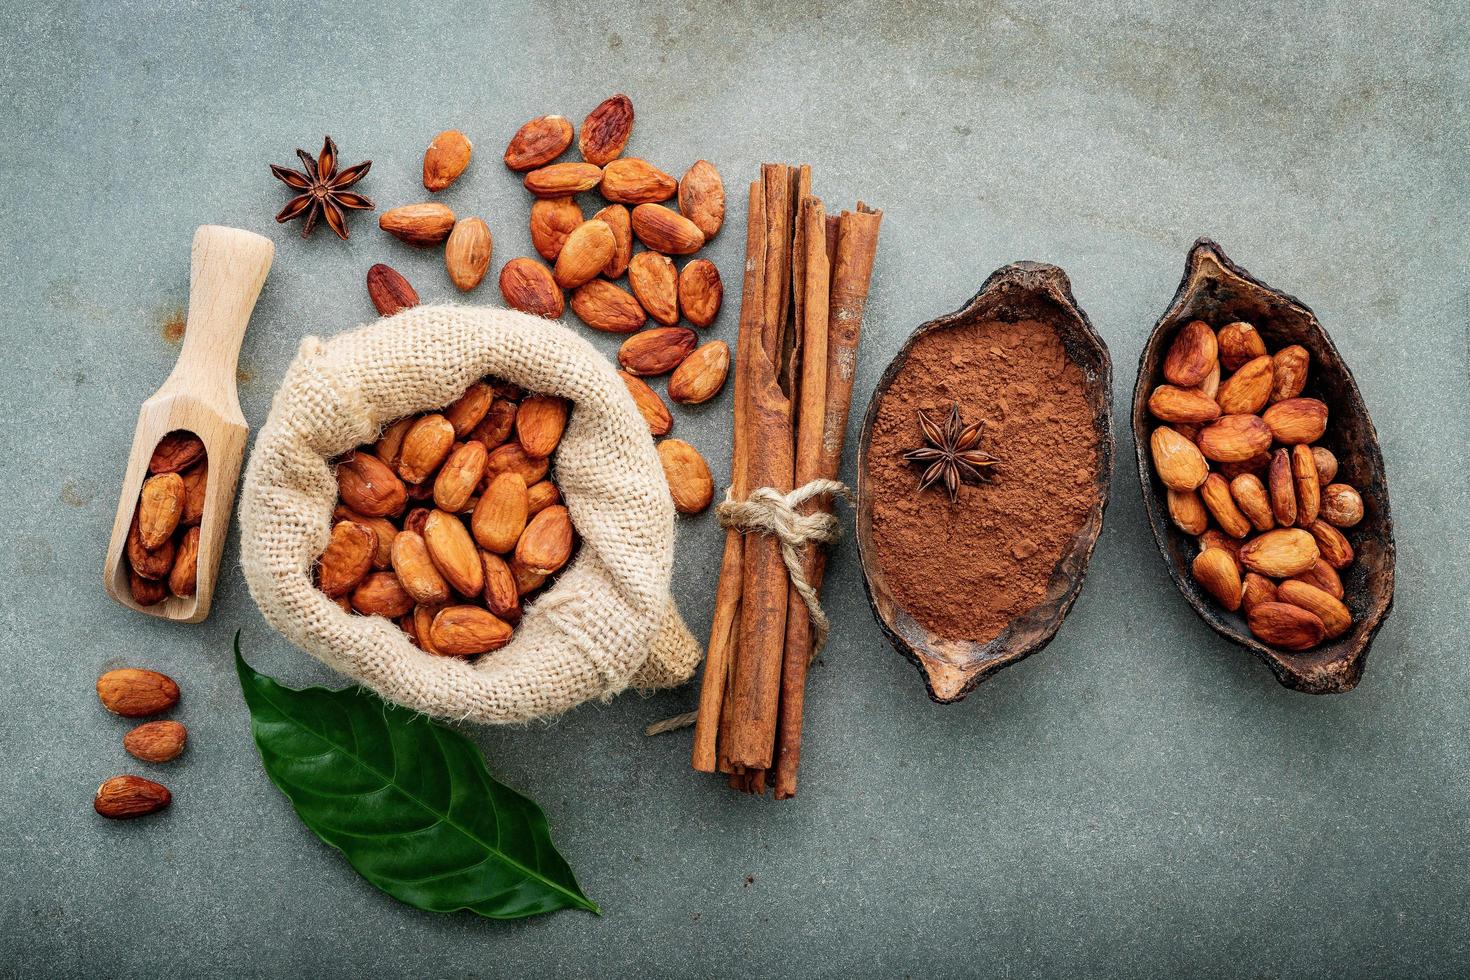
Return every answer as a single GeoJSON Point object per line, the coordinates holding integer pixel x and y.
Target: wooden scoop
{"type": "Point", "coordinates": [227, 268]}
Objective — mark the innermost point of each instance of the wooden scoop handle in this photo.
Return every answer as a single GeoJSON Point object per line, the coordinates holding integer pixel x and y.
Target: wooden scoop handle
{"type": "Point", "coordinates": [227, 268]}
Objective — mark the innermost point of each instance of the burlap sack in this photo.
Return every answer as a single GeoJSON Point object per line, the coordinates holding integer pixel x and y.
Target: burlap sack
{"type": "Point", "coordinates": [608, 623]}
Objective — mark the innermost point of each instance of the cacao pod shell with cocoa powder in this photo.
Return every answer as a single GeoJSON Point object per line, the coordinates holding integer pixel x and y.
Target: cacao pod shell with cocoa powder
{"type": "Point", "coordinates": [1219, 292]}
{"type": "Point", "coordinates": [953, 668]}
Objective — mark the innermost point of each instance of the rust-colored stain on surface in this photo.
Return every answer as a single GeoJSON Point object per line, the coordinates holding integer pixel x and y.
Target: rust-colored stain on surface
{"type": "Point", "coordinates": [172, 326]}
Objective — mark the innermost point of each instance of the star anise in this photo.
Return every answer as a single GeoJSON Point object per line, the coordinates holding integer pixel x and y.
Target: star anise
{"type": "Point", "coordinates": [323, 190]}
{"type": "Point", "coordinates": [950, 454]}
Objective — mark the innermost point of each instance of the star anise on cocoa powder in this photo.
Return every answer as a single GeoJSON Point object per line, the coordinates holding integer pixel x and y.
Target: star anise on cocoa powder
{"type": "Point", "coordinates": [950, 455]}
{"type": "Point", "coordinates": [323, 190]}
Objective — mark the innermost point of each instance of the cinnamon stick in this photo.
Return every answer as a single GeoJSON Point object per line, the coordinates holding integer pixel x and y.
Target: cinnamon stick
{"type": "Point", "coordinates": [812, 317]}
{"type": "Point", "coordinates": [722, 638]}
{"type": "Point", "coordinates": [852, 241]}
{"type": "Point", "coordinates": [757, 677]}
{"type": "Point", "coordinates": [793, 296]}
{"type": "Point", "coordinates": [851, 277]}
{"type": "Point", "coordinates": [793, 291]}
{"type": "Point", "coordinates": [852, 274]}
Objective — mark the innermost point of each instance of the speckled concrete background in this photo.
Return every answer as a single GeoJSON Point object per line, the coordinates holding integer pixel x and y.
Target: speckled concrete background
{"type": "Point", "coordinates": [1141, 799]}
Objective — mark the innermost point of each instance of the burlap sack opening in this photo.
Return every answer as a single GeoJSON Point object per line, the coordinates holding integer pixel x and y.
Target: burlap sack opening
{"type": "Point", "coordinates": [608, 623]}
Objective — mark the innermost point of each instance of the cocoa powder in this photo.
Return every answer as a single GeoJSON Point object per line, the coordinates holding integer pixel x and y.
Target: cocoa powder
{"type": "Point", "coordinates": [965, 570]}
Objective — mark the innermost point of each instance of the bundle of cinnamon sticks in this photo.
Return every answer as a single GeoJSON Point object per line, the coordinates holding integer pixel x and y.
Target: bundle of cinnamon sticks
{"type": "Point", "coordinates": [806, 285]}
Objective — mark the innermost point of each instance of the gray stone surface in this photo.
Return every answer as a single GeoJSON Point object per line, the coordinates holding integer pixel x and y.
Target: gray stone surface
{"type": "Point", "coordinates": [1141, 799]}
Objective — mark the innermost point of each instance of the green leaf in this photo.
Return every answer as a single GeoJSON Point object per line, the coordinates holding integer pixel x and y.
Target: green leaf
{"type": "Point", "coordinates": [408, 801]}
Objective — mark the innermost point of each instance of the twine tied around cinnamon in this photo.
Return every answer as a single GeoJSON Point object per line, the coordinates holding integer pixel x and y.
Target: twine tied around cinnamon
{"type": "Point", "coordinates": [769, 511]}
